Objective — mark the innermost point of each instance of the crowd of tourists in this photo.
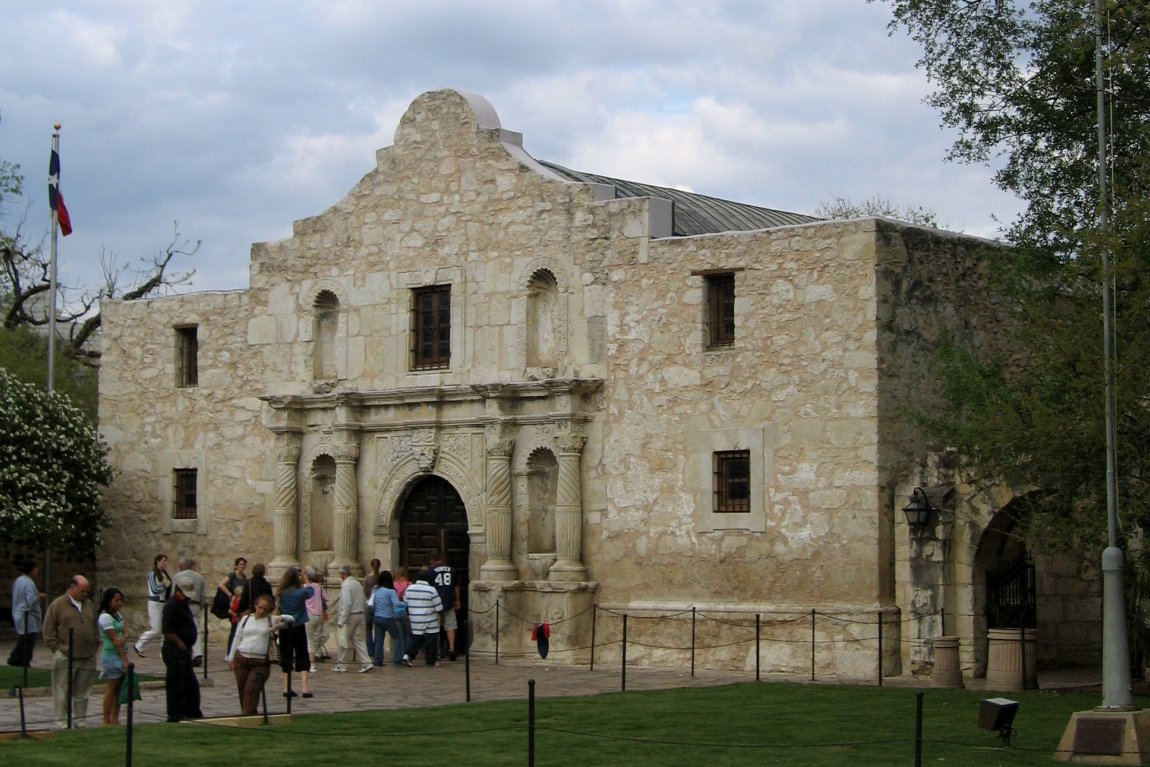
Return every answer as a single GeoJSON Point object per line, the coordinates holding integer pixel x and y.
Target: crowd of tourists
{"type": "Point", "coordinates": [287, 625]}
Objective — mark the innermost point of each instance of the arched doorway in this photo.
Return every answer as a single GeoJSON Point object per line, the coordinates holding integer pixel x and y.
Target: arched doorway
{"type": "Point", "coordinates": [434, 517]}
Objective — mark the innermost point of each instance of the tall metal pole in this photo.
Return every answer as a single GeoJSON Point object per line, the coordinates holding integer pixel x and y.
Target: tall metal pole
{"type": "Point", "coordinates": [51, 382]}
{"type": "Point", "coordinates": [1115, 652]}
{"type": "Point", "coordinates": [52, 277]}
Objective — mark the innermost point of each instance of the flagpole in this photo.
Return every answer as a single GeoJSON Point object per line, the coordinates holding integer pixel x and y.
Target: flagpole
{"type": "Point", "coordinates": [52, 278]}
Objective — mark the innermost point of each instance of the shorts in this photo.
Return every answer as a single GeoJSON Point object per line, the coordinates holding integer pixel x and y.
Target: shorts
{"type": "Point", "coordinates": [449, 621]}
{"type": "Point", "coordinates": [112, 667]}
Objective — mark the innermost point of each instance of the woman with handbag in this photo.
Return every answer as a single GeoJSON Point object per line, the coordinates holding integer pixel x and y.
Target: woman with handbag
{"type": "Point", "coordinates": [253, 652]}
{"type": "Point", "coordinates": [227, 590]}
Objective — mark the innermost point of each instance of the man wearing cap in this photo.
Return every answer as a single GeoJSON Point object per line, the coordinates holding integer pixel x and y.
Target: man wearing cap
{"type": "Point", "coordinates": [72, 614]}
{"type": "Point", "coordinates": [179, 628]}
{"type": "Point", "coordinates": [195, 595]}
{"type": "Point", "coordinates": [350, 621]}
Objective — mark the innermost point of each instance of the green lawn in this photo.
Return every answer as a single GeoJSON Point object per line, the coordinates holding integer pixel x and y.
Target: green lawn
{"type": "Point", "coordinates": [761, 724]}
{"type": "Point", "coordinates": [37, 677]}
{"type": "Point", "coordinates": [11, 676]}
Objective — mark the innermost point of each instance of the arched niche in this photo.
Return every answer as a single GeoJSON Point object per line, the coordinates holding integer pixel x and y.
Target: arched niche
{"type": "Point", "coordinates": [542, 319]}
{"type": "Point", "coordinates": [542, 489]}
{"type": "Point", "coordinates": [325, 329]}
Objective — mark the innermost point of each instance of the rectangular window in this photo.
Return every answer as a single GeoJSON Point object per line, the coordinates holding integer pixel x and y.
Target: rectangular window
{"type": "Point", "coordinates": [184, 493]}
{"type": "Point", "coordinates": [720, 309]}
{"type": "Point", "coordinates": [187, 357]}
{"type": "Point", "coordinates": [431, 328]}
{"type": "Point", "coordinates": [732, 481]}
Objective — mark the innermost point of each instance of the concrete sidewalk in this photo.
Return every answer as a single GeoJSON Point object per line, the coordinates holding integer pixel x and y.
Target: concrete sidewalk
{"type": "Point", "coordinates": [389, 687]}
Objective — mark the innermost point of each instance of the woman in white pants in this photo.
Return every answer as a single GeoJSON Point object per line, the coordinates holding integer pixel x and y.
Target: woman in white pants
{"type": "Point", "coordinates": [159, 587]}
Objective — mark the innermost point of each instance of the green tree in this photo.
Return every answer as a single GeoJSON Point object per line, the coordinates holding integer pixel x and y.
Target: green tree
{"type": "Point", "coordinates": [1017, 82]}
{"type": "Point", "coordinates": [842, 207]}
{"type": "Point", "coordinates": [25, 273]}
{"type": "Point", "coordinates": [52, 466]}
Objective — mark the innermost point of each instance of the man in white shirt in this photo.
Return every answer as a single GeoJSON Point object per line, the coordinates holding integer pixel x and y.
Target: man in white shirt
{"type": "Point", "coordinates": [423, 609]}
{"type": "Point", "coordinates": [350, 621]}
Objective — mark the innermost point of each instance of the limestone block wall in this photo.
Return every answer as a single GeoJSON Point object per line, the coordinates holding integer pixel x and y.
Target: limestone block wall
{"type": "Point", "coordinates": [797, 389]}
{"type": "Point", "coordinates": [153, 426]}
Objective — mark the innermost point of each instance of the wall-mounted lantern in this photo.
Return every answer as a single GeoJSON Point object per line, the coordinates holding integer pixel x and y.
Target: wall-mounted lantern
{"type": "Point", "coordinates": [919, 510]}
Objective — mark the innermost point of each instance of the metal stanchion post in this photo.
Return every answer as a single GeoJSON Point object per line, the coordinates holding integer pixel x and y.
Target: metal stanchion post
{"type": "Point", "coordinates": [758, 648]}
{"type": "Point", "coordinates": [880, 648]}
{"type": "Point", "coordinates": [693, 642]}
{"type": "Point", "coordinates": [812, 645]}
{"type": "Point", "coordinates": [624, 678]}
{"type": "Point", "coordinates": [26, 647]}
{"type": "Point", "coordinates": [130, 680]}
{"type": "Point", "coordinates": [204, 617]}
{"type": "Point", "coordinates": [467, 658]}
{"type": "Point", "coordinates": [594, 620]}
{"type": "Point", "coordinates": [918, 730]}
{"type": "Point", "coordinates": [23, 714]}
{"type": "Point", "coordinates": [531, 723]}
{"type": "Point", "coordinates": [496, 632]}
{"type": "Point", "coordinates": [71, 661]}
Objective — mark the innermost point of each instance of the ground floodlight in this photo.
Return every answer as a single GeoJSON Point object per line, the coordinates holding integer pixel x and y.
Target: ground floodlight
{"type": "Point", "coordinates": [998, 714]}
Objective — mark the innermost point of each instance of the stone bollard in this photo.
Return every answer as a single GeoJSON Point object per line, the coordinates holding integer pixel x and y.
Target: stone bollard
{"type": "Point", "coordinates": [946, 669]}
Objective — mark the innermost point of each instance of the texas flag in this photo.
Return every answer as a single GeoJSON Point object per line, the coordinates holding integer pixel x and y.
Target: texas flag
{"type": "Point", "coordinates": [55, 199]}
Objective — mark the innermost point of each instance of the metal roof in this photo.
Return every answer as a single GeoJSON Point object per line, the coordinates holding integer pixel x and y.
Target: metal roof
{"type": "Point", "coordinates": [693, 213]}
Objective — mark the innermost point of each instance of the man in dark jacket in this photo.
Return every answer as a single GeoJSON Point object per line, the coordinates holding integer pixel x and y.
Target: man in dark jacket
{"type": "Point", "coordinates": [179, 627]}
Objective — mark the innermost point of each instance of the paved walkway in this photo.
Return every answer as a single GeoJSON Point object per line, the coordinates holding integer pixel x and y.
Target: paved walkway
{"type": "Point", "coordinates": [448, 683]}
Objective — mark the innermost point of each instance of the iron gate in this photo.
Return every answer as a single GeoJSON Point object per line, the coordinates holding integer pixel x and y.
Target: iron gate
{"type": "Point", "coordinates": [1011, 595]}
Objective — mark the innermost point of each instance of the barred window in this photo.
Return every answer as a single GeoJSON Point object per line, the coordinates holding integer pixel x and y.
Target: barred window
{"type": "Point", "coordinates": [732, 481]}
{"type": "Point", "coordinates": [720, 309]}
{"type": "Point", "coordinates": [187, 357]}
{"type": "Point", "coordinates": [431, 328]}
{"type": "Point", "coordinates": [184, 493]}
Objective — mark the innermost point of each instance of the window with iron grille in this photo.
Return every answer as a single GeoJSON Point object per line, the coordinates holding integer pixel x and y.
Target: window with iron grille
{"type": "Point", "coordinates": [720, 309]}
{"type": "Point", "coordinates": [184, 493]}
{"type": "Point", "coordinates": [187, 357]}
{"type": "Point", "coordinates": [732, 481]}
{"type": "Point", "coordinates": [431, 328]}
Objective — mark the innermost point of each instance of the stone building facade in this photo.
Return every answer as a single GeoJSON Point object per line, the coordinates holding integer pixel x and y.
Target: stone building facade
{"type": "Point", "coordinates": [597, 397]}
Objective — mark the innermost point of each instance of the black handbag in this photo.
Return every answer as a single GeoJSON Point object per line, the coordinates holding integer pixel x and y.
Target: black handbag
{"type": "Point", "coordinates": [221, 603]}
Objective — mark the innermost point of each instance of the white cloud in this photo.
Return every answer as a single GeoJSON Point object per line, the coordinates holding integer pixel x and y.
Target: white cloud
{"type": "Point", "coordinates": [237, 118]}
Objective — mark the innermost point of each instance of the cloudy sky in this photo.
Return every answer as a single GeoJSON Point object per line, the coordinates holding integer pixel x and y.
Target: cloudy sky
{"type": "Point", "coordinates": [235, 118]}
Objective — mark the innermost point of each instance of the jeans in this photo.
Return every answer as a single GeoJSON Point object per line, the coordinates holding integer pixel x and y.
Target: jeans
{"type": "Point", "coordinates": [393, 627]}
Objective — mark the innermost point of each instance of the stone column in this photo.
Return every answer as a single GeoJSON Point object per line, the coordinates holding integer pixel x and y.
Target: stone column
{"type": "Point", "coordinates": [499, 566]}
{"type": "Point", "coordinates": [569, 511]}
{"type": "Point", "coordinates": [345, 514]}
{"type": "Point", "coordinates": [285, 517]}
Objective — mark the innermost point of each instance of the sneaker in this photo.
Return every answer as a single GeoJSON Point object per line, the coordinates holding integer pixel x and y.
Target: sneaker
{"type": "Point", "coordinates": [339, 668]}
{"type": "Point", "coordinates": [313, 670]}
{"type": "Point", "coordinates": [451, 654]}
{"type": "Point", "coordinates": [198, 661]}
{"type": "Point", "coordinates": [137, 649]}
{"type": "Point", "coordinates": [307, 695]}
{"type": "Point", "coordinates": [406, 661]}
{"type": "Point", "coordinates": [364, 669]}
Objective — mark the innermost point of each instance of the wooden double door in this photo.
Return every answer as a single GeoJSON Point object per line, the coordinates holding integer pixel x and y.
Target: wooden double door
{"type": "Point", "coordinates": [434, 517]}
